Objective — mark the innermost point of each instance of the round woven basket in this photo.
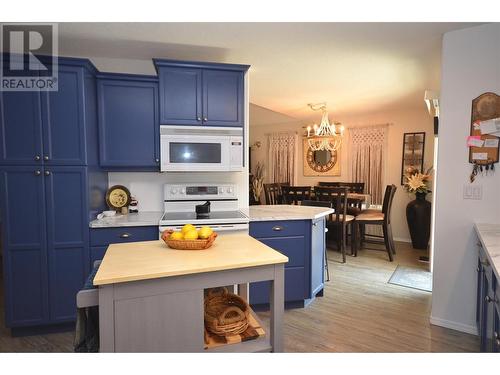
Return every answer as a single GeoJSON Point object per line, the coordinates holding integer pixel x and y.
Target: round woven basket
{"type": "Point", "coordinates": [187, 244]}
{"type": "Point", "coordinates": [225, 313]}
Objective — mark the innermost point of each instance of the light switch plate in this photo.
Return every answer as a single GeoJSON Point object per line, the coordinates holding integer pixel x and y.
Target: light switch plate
{"type": "Point", "coordinates": [473, 192]}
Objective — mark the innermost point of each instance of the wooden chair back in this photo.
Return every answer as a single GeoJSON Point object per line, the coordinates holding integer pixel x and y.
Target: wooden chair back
{"type": "Point", "coordinates": [354, 187]}
{"type": "Point", "coordinates": [272, 193]}
{"type": "Point", "coordinates": [295, 194]}
{"type": "Point", "coordinates": [390, 191]}
{"type": "Point", "coordinates": [337, 196]}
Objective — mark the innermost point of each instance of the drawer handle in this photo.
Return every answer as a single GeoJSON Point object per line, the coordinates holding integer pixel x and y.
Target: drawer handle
{"type": "Point", "coordinates": [277, 228]}
{"type": "Point", "coordinates": [488, 299]}
{"type": "Point", "coordinates": [495, 335]}
{"type": "Point", "coordinates": [125, 235]}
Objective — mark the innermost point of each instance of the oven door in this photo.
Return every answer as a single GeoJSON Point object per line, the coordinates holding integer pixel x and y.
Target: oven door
{"type": "Point", "coordinates": [195, 153]}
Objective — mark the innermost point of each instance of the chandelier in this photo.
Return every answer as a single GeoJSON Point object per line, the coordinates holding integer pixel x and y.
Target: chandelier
{"type": "Point", "coordinates": [324, 136]}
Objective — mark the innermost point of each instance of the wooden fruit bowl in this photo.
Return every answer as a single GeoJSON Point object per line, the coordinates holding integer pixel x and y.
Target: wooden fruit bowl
{"type": "Point", "coordinates": [187, 244]}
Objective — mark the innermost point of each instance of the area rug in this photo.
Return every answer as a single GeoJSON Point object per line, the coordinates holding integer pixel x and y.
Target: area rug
{"type": "Point", "coordinates": [415, 278]}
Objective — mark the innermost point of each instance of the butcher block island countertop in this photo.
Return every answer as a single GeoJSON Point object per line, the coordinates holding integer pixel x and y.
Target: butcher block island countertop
{"type": "Point", "coordinates": [136, 261]}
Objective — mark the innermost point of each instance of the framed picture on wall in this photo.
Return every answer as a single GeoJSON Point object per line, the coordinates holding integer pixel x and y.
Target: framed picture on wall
{"type": "Point", "coordinates": [413, 152]}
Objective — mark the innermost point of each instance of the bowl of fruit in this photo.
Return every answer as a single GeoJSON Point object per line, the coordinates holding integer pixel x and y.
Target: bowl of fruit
{"type": "Point", "coordinates": [189, 238]}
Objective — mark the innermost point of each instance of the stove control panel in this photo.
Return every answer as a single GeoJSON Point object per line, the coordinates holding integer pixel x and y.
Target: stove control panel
{"type": "Point", "coordinates": [199, 191]}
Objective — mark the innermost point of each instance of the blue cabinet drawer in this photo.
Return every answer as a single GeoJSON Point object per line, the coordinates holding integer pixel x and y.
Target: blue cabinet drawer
{"type": "Point", "coordinates": [295, 288]}
{"type": "Point", "coordinates": [264, 229]}
{"type": "Point", "coordinates": [292, 247]}
{"type": "Point", "coordinates": [106, 236]}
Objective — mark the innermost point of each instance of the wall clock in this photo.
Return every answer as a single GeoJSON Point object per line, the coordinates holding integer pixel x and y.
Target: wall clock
{"type": "Point", "coordinates": [117, 196]}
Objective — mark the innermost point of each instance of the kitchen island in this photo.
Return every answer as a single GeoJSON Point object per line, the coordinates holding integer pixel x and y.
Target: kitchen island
{"type": "Point", "coordinates": [299, 233]}
{"type": "Point", "coordinates": [151, 296]}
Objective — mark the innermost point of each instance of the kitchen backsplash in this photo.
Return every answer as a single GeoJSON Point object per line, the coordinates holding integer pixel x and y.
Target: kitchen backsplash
{"type": "Point", "coordinates": [147, 187]}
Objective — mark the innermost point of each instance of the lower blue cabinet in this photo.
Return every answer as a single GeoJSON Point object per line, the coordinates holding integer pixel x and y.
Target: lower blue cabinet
{"type": "Point", "coordinates": [302, 241]}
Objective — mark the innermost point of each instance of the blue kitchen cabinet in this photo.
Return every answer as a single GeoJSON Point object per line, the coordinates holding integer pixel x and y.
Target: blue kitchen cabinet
{"type": "Point", "coordinates": [302, 241]}
{"type": "Point", "coordinates": [64, 120]}
{"type": "Point", "coordinates": [487, 304]}
{"type": "Point", "coordinates": [21, 127]}
{"type": "Point", "coordinates": [101, 238]}
{"type": "Point", "coordinates": [22, 206]}
{"type": "Point", "coordinates": [180, 96]}
{"type": "Point", "coordinates": [129, 128]}
{"type": "Point", "coordinates": [67, 237]}
{"type": "Point", "coordinates": [223, 98]}
{"type": "Point", "coordinates": [194, 93]}
{"type": "Point", "coordinates": [48, 170]}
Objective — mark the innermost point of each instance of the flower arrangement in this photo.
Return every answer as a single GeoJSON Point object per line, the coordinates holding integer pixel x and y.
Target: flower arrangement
{"type": "Point", "coordinates": [417, 182]}
{"type": "Point", "coordinates": [258, 181]}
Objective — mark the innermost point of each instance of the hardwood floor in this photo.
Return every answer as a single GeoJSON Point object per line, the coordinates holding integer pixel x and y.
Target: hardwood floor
{"type": "Point", "coordinates": [360, 312]}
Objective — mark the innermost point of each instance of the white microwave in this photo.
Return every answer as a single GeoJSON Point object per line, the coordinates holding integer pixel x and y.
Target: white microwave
{"type": "Point", "coordinates": [201, 148]}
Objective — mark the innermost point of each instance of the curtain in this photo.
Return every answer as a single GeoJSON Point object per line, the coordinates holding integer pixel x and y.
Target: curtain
{"type": "Point", "coordinates": [367, 150]}
{"type": "Point", "coordinates": [282, 157]}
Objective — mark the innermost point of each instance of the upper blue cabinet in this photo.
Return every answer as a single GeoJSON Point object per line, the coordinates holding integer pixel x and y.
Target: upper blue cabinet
{"type": "Point", "coordinates": [128, 122]}
{"type": "Point", "coordinates": [201, 93]}
{"type": "Point", "coordinates": [50, 127]}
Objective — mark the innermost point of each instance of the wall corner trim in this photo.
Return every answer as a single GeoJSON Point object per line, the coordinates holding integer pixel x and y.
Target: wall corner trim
{"type": "Point", "coordinates": [471, 329]}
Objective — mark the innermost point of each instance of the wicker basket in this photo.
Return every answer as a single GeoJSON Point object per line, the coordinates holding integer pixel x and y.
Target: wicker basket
{"type": "Point", "coordinates": [225, 313]}
{"type": "Point", "coordinates": [187, 244]}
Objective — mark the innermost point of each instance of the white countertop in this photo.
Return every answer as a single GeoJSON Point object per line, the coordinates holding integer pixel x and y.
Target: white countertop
{"type": "Point", "coordinates": [489, 235]}
{"type": "Point", "coordinates": [285, 212]}
{"type": "Point", "coordinates": [140, 219]}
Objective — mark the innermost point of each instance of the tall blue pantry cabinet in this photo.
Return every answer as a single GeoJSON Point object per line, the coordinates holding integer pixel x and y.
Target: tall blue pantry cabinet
{"type": "Point", "coordinates": [50, 186]}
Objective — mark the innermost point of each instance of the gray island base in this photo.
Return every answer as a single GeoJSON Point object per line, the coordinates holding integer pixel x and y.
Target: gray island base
{"type": "Point", "coordinates": [166, 314]}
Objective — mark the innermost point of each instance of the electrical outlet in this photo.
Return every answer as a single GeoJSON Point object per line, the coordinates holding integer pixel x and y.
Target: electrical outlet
{"type": "Point", "coordinates": [473, 192]}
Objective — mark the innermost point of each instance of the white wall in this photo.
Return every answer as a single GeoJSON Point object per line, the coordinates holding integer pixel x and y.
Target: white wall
{"type": "Point", "coordinates": [470, 67]}
{"type": "Point", "coordinates": [415, 120]}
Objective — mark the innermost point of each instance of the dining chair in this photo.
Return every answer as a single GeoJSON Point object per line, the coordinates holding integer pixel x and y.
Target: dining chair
{"type": "Point", "coordinates": [329, 183]}
{"type": "Point", "coordinates": [295, 194]}
{"type": "Point", "coordinates": [339, 220]}
{"type": "Point", "coordinates": [377, 217]}
{"type": "Point", "coordinates": [272, 193]}
{"type": "Point", "coordinates": [309, 202]}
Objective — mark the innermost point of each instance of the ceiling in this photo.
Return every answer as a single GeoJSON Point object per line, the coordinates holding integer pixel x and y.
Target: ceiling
{"type": "Point", "coordinates": [354, 67]}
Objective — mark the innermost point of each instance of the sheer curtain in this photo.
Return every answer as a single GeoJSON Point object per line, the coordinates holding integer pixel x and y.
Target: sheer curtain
{"type": "Point", "coordinates": [367, 147]}
{"type": "Point", "coordinates": [282, 157]}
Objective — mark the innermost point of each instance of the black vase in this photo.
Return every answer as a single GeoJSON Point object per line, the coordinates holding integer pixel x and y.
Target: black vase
{"type": "Point", "coordinates": [418, 216]}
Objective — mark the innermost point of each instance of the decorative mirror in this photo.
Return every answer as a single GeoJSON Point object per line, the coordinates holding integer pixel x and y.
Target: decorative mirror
{"type": "Point", "coordinates": [413, 152]}
{"type": "Point", "coordinates": [320, 163]}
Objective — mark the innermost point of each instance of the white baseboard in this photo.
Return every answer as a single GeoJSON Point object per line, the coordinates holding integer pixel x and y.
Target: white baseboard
{"type": "Point", "coordinates": [454, 325]}
{"type": "Point", "coordinates": [402, 239]}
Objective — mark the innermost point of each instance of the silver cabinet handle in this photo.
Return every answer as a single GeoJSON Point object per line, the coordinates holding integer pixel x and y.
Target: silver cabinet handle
{"type": "Point", "coordinates": [277, 228]}
{"type": "Point", "coordinates": [47, 173]}
{"type": "Point", "coordinates": [497, 341]}
{"type": "Point", "coordinates": [315, 224]}
{"type": "Point", "coordinates": [125, 235]}
{"type": "Point", "coordinates": [37, 157]}
{"type": "Point", "coordinates": [205, 119]}
{"type": "Point", "coordinates": [198, 118]}
{"type": "Point", "coordinates": [495, 334]}
{"type": "Point", "coordinates": [38, 173]}
{"type": "Point", "coordinates": [45, 158]}
{"type": "Point", "coordinates": [488, 299]}
{"type": "Point", "coordinates": [157, 160]}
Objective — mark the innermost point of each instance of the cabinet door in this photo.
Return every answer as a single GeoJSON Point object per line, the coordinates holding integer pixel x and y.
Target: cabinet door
{"type": "Point", "coordinates": [67, 238]}
{"type": "Point", "coordinates": [64, 121]}
{"type": "Point", "coordinates": [222, 98]}
{"type": "Point", "coordinates": [22, 206]}
{"type": "Point", "coordinates": [21, 128]}
{"type": "Point", "coordinates": [128, 124]}
{"type": "Point", "coordinates": [496, 326]}
{"type": "Point", "coordinates": [180, 96]}
{"type": "Point", "coordinates": [318, 248]}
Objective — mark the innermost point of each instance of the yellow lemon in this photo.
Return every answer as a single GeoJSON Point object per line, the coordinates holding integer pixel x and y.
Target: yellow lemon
{"type": "Point", "coordinates": [191, 235]}
{"type": "Point", "coordinates": [176, 236]}
{"type": "Point", "coordinates": [186, 228]}
{"type": "Point", "coordinates": [205, 232]}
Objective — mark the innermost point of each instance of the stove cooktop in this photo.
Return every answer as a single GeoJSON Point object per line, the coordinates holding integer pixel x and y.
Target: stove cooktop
{"type": "Point", "coordinates": [213, 217]}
